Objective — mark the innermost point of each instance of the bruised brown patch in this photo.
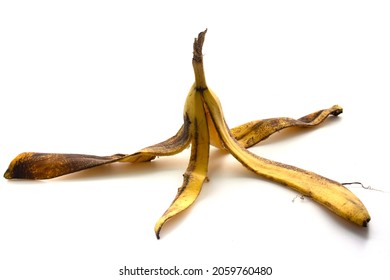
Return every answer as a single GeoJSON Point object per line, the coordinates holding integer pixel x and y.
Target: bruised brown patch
{"type": "Point", "coordinates": [46, 166]}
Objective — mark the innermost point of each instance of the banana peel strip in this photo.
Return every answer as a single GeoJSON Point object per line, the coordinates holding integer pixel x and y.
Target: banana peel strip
{"type": "Point", "coordinates": [251, 133]}
{"type": "Point", "coordinates": [196, 172]}
{"type": "Point", "coordinates": [331, 194]}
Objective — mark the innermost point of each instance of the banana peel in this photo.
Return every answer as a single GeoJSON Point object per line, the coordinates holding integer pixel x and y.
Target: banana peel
{"type": "Point", "coordinates": [204, 125]}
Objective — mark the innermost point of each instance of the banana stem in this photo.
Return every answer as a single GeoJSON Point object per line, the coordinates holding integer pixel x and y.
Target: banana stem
{"type": "Point", "coordinates": [197, 62]}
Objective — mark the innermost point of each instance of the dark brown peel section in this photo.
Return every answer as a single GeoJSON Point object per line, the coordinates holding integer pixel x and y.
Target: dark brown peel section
{"type": "Point", "coordinates": [365, 223]}
{"type": "Point", "coordinates": [251, 133]}
{"type": "Point", "coordinates": [198, 45]}
{"type": "Point", "coordinates": [38, 166]}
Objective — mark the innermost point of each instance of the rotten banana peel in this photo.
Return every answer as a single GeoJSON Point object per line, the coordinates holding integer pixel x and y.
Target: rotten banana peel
{"type": "Point", "coordinates": [204, 125]}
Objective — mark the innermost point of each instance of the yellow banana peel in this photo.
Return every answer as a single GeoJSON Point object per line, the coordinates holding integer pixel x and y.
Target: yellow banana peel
{"type": "Point", "coordinates": [204, 125]}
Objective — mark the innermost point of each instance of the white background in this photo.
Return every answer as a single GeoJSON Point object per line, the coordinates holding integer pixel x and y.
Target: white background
{"type": "Point", "coordinates": [105, 77]}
